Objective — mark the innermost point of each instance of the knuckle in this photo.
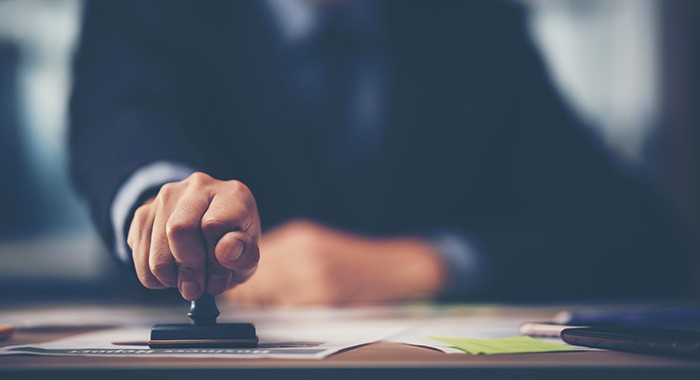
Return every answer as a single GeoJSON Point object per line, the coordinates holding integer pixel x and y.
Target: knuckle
{"type": "Point", "coordinates": [147, 280]}
{"type": "Point", "coordinates": [178, 229]}
{"type": "Point", "coordinates": [167, 188]}
{"type": "Point", "coordinates": [237, 187]}
{"type": "Point", "coordinates": [141, 215]}
{"type": "Point", "coordinates": [241, 195]}
{"type": "Point", "coordinates": [161, 268]}
{"type": "Point", "coordinates": [246, 209]}
{"type": "Point", "coordinates": [212, 225]}
{"type": "Point", "coordinates": [167, 192]}
{"type": "Point", "coordinates": [199, 179]}
{"type": "Point", "coordinates": [189, 271]}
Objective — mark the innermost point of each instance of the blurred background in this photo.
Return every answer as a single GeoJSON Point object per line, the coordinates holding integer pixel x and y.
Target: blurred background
{"type": "Point", "coordinates": [628, 68]}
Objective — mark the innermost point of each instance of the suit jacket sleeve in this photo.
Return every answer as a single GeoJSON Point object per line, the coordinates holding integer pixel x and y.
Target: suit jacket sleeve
{"type": "Point", "coordinates": [133, 97]}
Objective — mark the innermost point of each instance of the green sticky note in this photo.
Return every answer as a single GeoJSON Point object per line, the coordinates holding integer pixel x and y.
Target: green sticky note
{"type": "Point", "coordinates": [514, 345]}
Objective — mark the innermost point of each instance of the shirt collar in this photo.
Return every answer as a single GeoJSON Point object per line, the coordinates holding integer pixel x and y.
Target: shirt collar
{"type": "Point", "coordinates": [296, 18]}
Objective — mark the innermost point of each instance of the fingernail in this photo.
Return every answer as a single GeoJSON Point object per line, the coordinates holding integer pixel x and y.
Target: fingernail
{"type": "Point", "coordinates": [216, 284]}
{"type": "Point", "coordinates": [189, 290]}
{"type": "Point", "coordinates": [233, 254]}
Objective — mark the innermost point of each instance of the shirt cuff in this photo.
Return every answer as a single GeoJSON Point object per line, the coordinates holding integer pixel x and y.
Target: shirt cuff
{"type": "Point", "coordinates": [467, 268]}
{"type": "Point", "coordinates": [125, 201]}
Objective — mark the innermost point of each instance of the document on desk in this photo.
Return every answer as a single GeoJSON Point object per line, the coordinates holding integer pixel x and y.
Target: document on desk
{"type": "Point", "coordinates": [510, 345]}
{"type": "Point", "coordinates": [470, 329]}
{"type": "Point", "coordinates": [282, 341]}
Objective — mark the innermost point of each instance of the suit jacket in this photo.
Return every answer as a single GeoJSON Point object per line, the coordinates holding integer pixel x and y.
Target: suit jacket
{"type": "Point", "coordinates": [476, 139]}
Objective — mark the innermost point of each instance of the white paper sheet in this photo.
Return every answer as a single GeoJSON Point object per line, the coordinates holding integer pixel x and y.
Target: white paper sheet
{"type": "Point", "coordinates": [287, 341]}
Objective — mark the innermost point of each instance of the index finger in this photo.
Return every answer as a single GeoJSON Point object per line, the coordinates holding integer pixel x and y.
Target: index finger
{"type": "Point", "coordinates": [187, 243]}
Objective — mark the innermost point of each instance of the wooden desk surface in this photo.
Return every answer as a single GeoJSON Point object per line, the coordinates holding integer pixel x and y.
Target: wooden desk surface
{"type": "Point", "coordinates": [378, 360]}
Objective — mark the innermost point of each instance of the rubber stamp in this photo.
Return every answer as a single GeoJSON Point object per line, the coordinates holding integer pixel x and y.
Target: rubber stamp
{"type": "Point", "coordinates": [203, 332]}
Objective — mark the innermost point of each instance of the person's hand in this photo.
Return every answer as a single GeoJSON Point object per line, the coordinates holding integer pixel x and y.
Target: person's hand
{"type": "Point", "coordinates": [197, 234]}
{"type": "Point", "coordinates": [303, 263]}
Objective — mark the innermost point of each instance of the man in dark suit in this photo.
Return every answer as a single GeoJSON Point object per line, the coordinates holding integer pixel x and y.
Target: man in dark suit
{"type": "Point", "coordinates": [391, 150]}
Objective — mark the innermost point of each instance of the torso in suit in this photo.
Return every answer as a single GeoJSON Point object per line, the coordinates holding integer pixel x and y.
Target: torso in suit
{"type": "Point", "coordinates": [474, 139]}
